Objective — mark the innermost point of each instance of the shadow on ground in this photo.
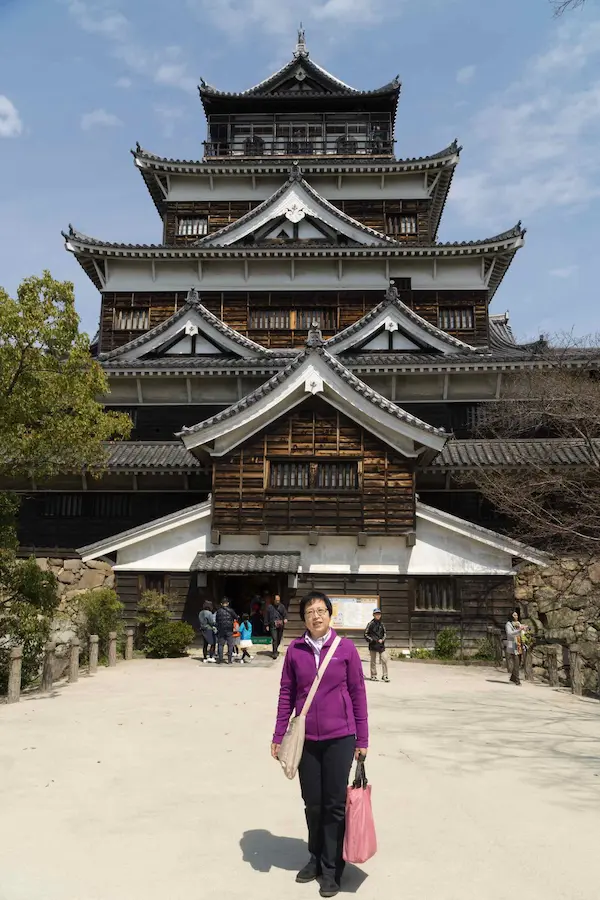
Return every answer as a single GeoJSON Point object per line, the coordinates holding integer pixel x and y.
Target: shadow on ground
{"type": "Point", "coordinates": [265, 851]}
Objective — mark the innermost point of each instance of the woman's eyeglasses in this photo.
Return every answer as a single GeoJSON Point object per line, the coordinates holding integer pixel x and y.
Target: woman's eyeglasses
{"type": "Point", "coordinates": [316, 613]}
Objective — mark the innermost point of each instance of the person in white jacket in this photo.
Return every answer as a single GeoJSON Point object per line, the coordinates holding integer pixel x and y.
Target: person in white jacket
{"type": "Point", "coordinates": [513, 631]}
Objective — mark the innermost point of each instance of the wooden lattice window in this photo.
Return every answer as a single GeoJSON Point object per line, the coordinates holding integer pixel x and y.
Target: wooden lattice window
{"type": "Point", "coordinates": [403, 225]}
{"type": "Point", "coordinates": [326, 319]}
{"type": "Point", "coordinates": [129, 319]}
{"type": "Point", "coordinates": [293, 319]}
{"type": "Point", "coordinates": [290, 475]}
{"type": "Point", "coordinates": [436, 595]}
{"type": "Point", "coordinates": [190, 227]}
{"type": "Point", "coordinates": [112, 506]}
{"type": "Point", "coordinates": [265, 319]}
{"type": "Point", "coordinates": [459, 319]}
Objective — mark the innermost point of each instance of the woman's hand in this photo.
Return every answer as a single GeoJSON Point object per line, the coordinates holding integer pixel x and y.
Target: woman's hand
{"type": "Point", "coordinates": [275, 750]}
{"type": "Point", "coordinates": [361, 752]}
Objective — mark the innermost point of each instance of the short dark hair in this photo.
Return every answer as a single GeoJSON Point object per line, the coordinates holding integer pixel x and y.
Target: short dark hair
{"type": "Point", "coordinates": [207, 604]}
{"type": "Point", "coordinates": [309, 598]}
{"type": "Point", "coordinates": [245, 617]}
{"type": "Point", "coordinates": [224, 601]}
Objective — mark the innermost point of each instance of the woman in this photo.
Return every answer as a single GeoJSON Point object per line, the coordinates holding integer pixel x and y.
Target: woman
{"type": "Point", "coordinates": [207, 630]}
{"type": "Point", "coordinates": [336, 733]}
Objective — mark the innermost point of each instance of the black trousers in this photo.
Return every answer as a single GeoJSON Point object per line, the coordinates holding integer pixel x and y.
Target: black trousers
{"type": "Point", "coordinates": [276, 636]}
{"type": "Point", "coordinates": [324, 772]}
{"type": "Point", "coordinates": [223, 639]}
{"type": "Point", "coordinates": [208, 648]}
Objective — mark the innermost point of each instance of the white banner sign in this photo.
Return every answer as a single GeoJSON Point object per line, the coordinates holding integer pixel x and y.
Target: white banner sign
{"type": "Point", "coordinates": [353, 613]}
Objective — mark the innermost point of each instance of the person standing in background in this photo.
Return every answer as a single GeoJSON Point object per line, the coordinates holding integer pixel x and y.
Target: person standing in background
{"type": "Point", "coordinates": [206, 620]}
{"type": "Point", "coordinates": [276, 621]}
{"type": "Point", "coordinates": [375, 635]}
{"type": "Point", "coordinates": [514, 629]}
{"type": "Point", "coordinates": [225, 617]}
{"type": "Point", "coordinates": [246, 638]}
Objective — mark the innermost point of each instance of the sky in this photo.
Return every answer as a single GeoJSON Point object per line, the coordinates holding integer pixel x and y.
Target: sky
{"type": "Point", "coordinates": [82, 80]}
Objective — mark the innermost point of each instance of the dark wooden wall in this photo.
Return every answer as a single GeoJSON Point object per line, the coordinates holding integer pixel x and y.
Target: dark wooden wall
{"type": "Point", "coordinates": [378, 214]}
{"type": "Point", "coordinates": [180, 585]}
{"type": "Point", "coordinates": [235, 308]}
{"type": "Point", "coordinates": [383, 504]}
{"type": "Point", "coordinates": [481, 601]}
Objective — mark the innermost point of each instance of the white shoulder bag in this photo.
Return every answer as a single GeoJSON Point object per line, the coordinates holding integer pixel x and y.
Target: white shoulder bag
{"type": "Point", "coordinates": [292, 745]}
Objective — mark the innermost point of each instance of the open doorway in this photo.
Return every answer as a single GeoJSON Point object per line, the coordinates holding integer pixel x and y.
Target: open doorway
{"type": "Point", "coordinates": [250, 594]}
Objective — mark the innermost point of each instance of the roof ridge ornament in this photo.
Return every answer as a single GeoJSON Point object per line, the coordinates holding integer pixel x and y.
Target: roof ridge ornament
{"type": "Point", "coordinates": [392, 291]}
{"type": "Point", "coordinates": [315, 336]}
{"type": "Point", "coordinates": [301, 51]}
{"type": "Point", "coordinates": [295, 171]}
{"type": "Point", "coordinates": [193, 296]}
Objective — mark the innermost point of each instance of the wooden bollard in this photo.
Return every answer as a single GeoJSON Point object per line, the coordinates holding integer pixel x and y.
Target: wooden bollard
{"type": "Point", "coordinates": [112, 648]}
{"type": "Point", "coordinates": [552, 663]}
{"type": "Point", "coordinates": [576, 666]}
{"type": "Point", "coordinates": [14, 674]}
{"type": "Point", "coordinates": [129, 644]}
{"type": "Point", "coordinates": [528, 661]}
{"type": "Point", "coordinates": [74, 660]}
{"type": "Point", "coordinates": [48, 670]}
{"type": "Point", "coordinates": [93, 653]}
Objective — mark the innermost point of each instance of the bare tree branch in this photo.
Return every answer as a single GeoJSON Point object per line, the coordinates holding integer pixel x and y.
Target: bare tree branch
{"type": "Point", "coordinates": [563, 6]}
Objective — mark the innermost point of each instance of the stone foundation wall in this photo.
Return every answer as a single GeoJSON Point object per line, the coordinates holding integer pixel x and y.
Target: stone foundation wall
{"type": "Point", "coordinates": [562, 604]}
{"type": "Point", "coordinates": [74, 578]}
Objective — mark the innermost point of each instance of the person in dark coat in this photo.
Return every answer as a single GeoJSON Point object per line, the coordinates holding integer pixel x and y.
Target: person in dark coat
{"type": "Point", "coordinates": [207, 630]}
{"type": "Point", "coordinates": [276, 622]}
{"type": "Point", "coordinates": [225, 617]}
{"type": "Point", "coordinates": [375, 635]}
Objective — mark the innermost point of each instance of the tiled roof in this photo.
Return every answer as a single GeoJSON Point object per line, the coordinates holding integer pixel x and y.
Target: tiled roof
{"type": "Point", "coordinates": [246, 563]}
{"type": "Point", "coordinates": [351, 380]}
{"type": "Point", "coordinates": [513, 454]}
{"type": "Point", "coordinates": [136, 457]}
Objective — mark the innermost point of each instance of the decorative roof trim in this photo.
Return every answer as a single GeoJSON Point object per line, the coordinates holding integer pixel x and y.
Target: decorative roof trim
{"type": "Point", "coordinates": [149, 529]}
{"type": "Point", "coordinates": [483, 535]}
{"type": "Point", "coordinates": [359, 331]}
{"type": "Point", "coordinates": [294, 182]}
{"type": "Point", "coordinates": [192, 304]}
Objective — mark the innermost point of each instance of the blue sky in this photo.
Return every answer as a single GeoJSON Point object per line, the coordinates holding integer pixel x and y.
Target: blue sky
{"type": "Point", "coordinates": [82, 80]}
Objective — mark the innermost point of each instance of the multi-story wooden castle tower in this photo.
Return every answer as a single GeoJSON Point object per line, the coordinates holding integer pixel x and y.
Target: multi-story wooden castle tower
{"type": "Point", "coordinates": [303, 361]}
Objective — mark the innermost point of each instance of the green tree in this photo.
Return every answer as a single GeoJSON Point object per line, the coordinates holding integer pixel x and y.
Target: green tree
{"type": "Point", "coordinates": [50, 415]}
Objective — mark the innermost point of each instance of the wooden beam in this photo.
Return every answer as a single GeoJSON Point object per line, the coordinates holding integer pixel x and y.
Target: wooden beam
{"type": "Point", "coordinates": [153, 264]}
{"type": "Point", "coordinates": [99, 273]}
{"type": "Point", "coordinates": [161, 186]}
{"type": "Point", "coordinates": [434, 266]}
{"type": "Point", "coordinates": [135, 483]}
{"type": "Point", "coordinates": [140, 395]}
{"type": "Point", "coordinates": [253, 181]}
{"type": "Point", "coordinates": [387, 270]}
{"type": "Point", "coordinates": [292, 269]}
{"type": "Point", "coordinates": [200, 270]}
{"type": "Point", "coordinates": [340, 182]}
{"type": "Point", "coordinates": [498, 385]}
{"type": "Point", "coordinates": [211, 182]}
{"type": "Point", "coordinates": [446, 386]}
{"type": "Point", "coordinates": [340, 269]}
{"type": "Point", "coordinates": [383, 181]}
{"type": "Point", "coordinates": [246, 270]}
{"type": "Point", "coordinates": [188, 387]}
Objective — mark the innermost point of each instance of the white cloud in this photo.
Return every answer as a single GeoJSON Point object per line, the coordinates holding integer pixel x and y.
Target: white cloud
{"type": "Point", "coordinates": [169, 115]}
{"type": "Point", "coordinates": [566, 272]}
{"type": "Point", "coordinates": [10, 120]}
{"type": "Point", "coordinates": [94, 17]}
{"type": "Point", "coordinates": [466, 74]}
{"type": "Point", "coordinates": [124, 83]}
{"type": "Point", "coordinates": [101, 118]}
{"type": "Point", "coordinates": [535, 144]}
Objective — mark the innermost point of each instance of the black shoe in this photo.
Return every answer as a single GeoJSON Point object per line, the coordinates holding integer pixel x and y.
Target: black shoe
{"type": "Point", "coordinates": [309, 873]}
{"type": "Point", "coordinates": [329, 888]}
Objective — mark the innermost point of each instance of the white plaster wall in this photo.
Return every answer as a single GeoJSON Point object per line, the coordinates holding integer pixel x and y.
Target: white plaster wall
{"type": "Point", "coordinates": [438, 551]}
{"type": "Point", "coordinates": [187, 188]}
{"type": "Point", "coordinates": [309, 274]}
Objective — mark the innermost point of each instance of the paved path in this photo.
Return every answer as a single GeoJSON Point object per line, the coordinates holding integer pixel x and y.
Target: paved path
{"type": "Point", "coordinates": [154, 781]}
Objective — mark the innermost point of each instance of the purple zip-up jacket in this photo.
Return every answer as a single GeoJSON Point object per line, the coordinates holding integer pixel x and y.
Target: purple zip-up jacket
{"type": "Point", "coordinates": [340, 705]}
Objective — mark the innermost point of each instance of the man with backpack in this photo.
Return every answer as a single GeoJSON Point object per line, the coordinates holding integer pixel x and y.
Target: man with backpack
{"type": "Point", "coordinates": [375, 637]}
{"type": "Point", "coordinates": [225, 616]}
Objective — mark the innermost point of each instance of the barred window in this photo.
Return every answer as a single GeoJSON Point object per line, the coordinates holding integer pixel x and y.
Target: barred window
{"type": "Point", "coordinates": [293, 319]}
{"type": "Point", "coordinates": [436, 595]}
{"type": "Point", "coordinates": [402, 225]}
{"type": "Point", "coordinates": [198, 225]}
{"type": "Point", "coordinates": [270, 319]}
{"type": "Point", "coordinates": [315, 476]}
{"type": "Point", "coordinates": [112, 506]}
{"type": "Point", "coordinates": [62, 506]}
{"type": "Point", "coordinates": [461, 319]}
{"type": "Point", "coordinates": [129, 319]}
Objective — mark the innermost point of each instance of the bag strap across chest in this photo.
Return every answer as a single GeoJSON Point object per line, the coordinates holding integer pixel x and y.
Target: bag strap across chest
{"type": "Point", "coordinates": [321, 671]}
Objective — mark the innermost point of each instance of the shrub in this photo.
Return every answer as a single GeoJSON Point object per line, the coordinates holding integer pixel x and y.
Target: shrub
{"type": "Point", "coordinates": [421, 653]}
{"type": "Point", "coordinates": [447, 643]}
{"type": "Point", "coordinates": [154, 608]}
{"type": "Point", "coordinates": [24, 625]}
{"type": "Point", "coordinates": [102, 611]}
{"type": "Point", "coordinates": [486, 650]}
{"type": "Point", "coordinates": [168, 639]}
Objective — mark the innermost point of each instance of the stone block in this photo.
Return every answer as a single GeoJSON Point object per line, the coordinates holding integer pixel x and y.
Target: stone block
{"type": "Point", "coordinates": [590, 633]}
{"type": "Point", "coordinates": [42, 562]}
{"type": "Point", "coordinates": [582, 588]}
{"type": "Point", "coordinates": [99, 565]}
{"type": "Point", "coordinates": [73, 565]}
{"type": "Point", "coordinates": [66, 577]}
{"type": "Point", "coordinates": [53, 561]}
{"type": "Point", "coordinates": [562, 618]}
{"type": "Point", "coordinates": [110, 581]}
{"type": "Point", "coordinates": [524, 592]}
{"type": "Point", "coordinates": [547, 599]}
{"type": "Point", "coordinates": [91, 578]}
{"type": "Point", "coordinates": [594, 573]}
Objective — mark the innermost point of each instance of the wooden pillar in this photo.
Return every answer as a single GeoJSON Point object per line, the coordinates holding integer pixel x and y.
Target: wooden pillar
{"type": "Point", "coordinates": [74, 660]}
{"type": "Point", "coordinates": [528, 664]}
{"type": "Point", "coordinates": [129, 644]}
{"type": "Point", "coordinates": [93, 653]}
{"type": "Point", "coordinates": [576, 666]}
{"type": "Point", "coordinates": [48, 670]}
{"type": "Point", "coordinates": [14, 674]}
{"type": "Point", "coordinates": [552, 664]}
{"type": "Point", "coordinates": [112, 648]}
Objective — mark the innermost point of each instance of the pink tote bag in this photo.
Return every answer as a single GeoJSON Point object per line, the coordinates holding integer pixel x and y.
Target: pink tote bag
{"type": "Point", "coordinates": [360, 840]}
